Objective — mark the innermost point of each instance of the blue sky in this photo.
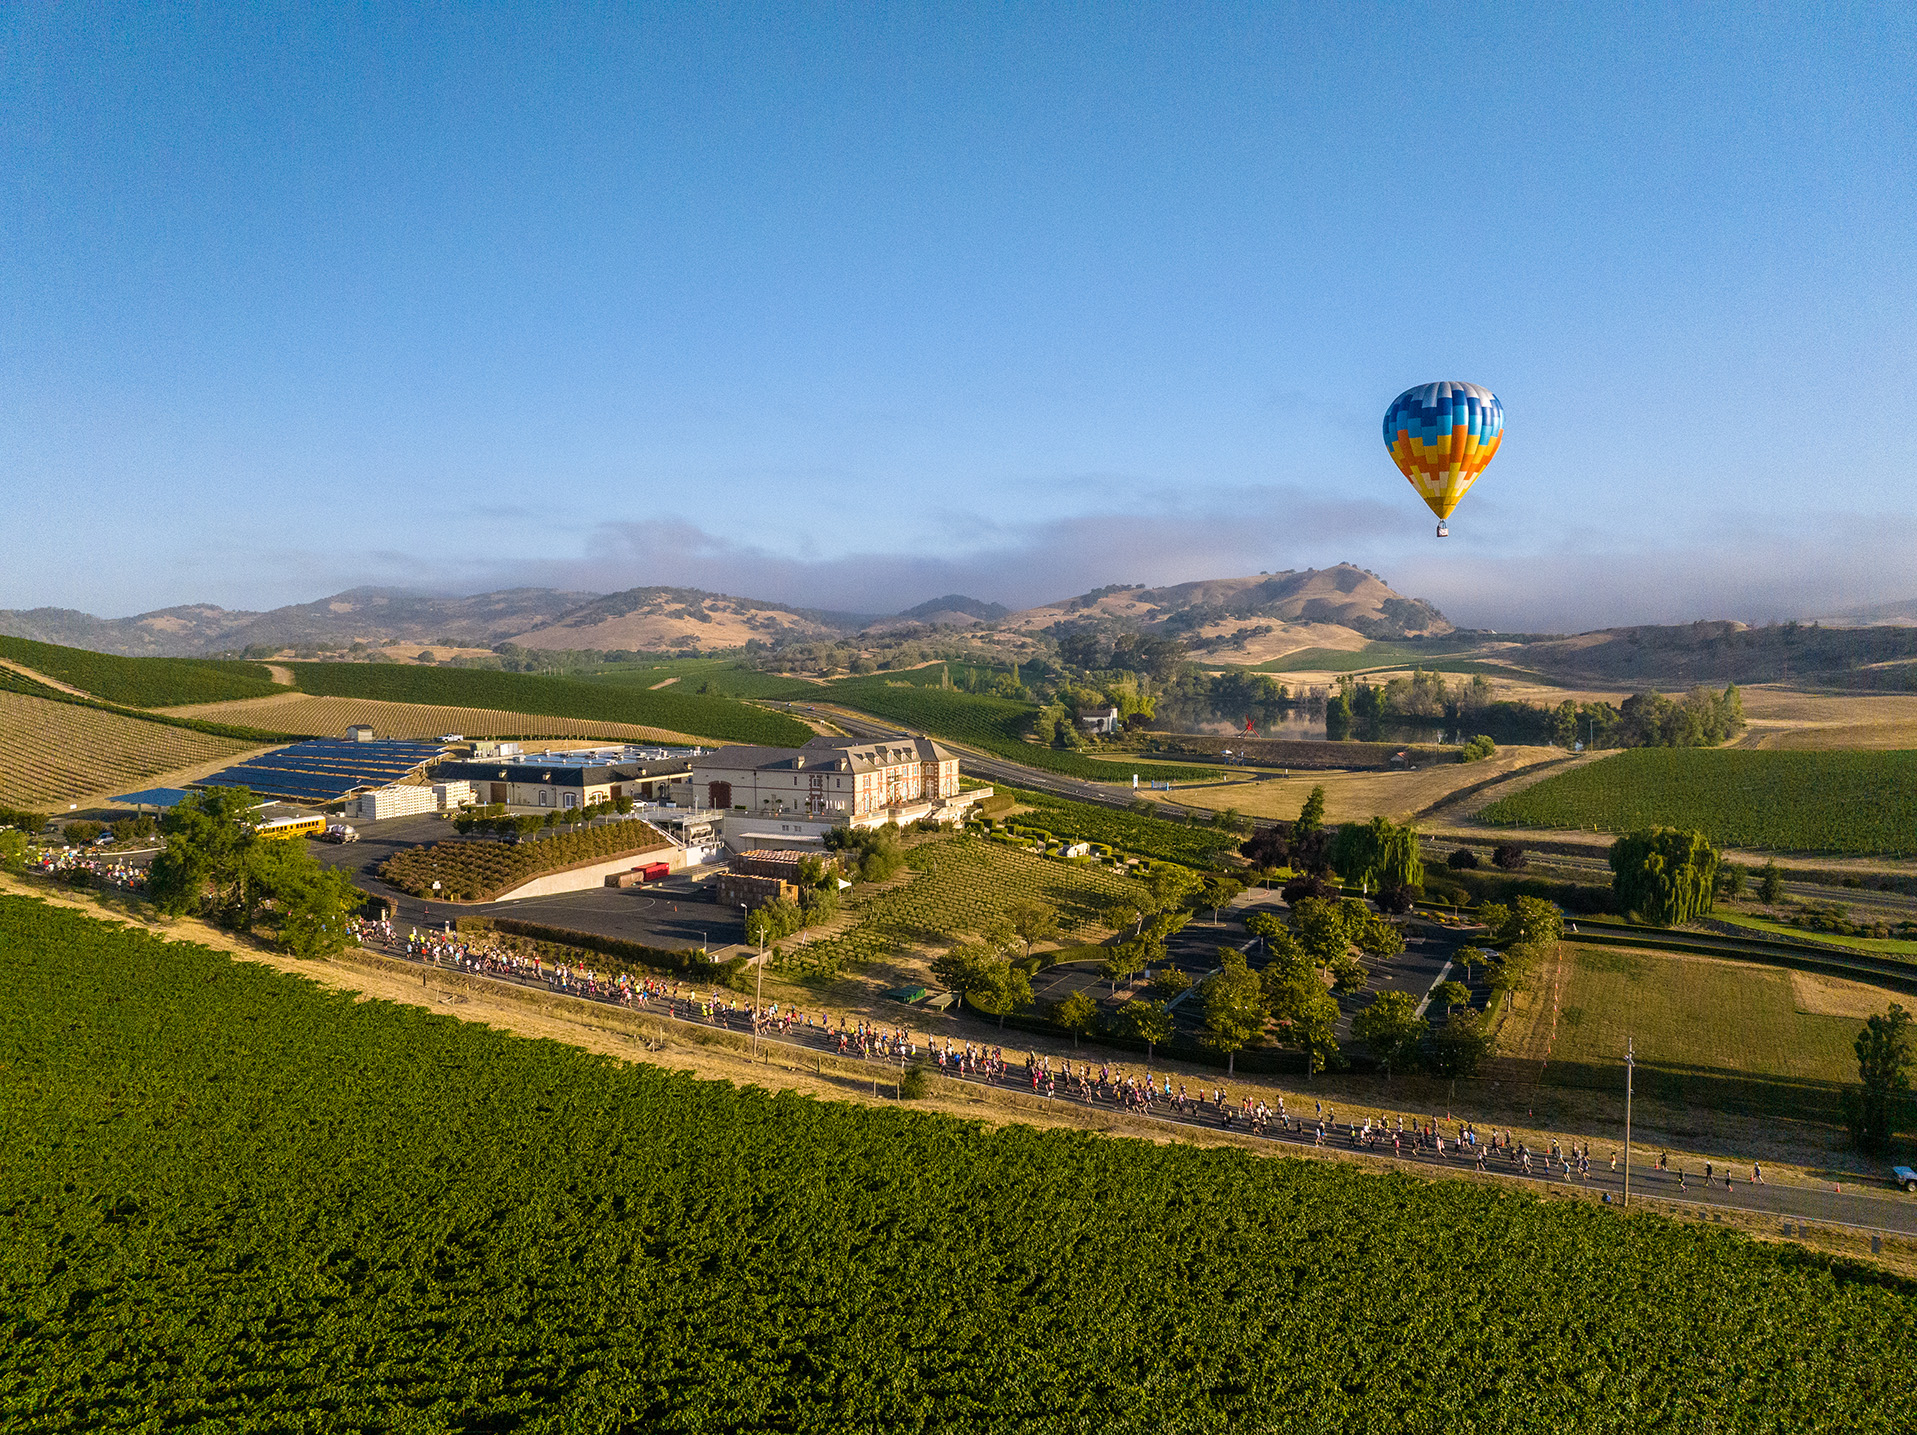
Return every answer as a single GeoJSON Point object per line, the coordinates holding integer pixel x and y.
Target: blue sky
{"type": "Point", "coordinates": [857, 305]}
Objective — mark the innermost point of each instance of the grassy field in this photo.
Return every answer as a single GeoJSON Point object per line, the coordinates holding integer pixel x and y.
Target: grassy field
{"type": "Point", "coordinates": [991, 724]}
{"type": "Point", "coordinates": [1358, 796]}
{"type": "Point", "coordinates": [1881, 946]}
{"type": "Point", "coordinates": [959, 885]}
{"type": "Point", "coordinates": [725, 677]}
{"type": "Point", "coordinates": [330, 717]}
{"type": "Point", "coordinates": [1728, 1035]}
{"type": "Point", "coordinates": [237, 1201]}
{"type": "Point", "coordinates": [1863, 802]}
{"type": "Point", "coordinates": [714, 718]}
{"type": "Point", "coordinates": [141, 682]}
{"type": "Point", "coordinates": [53, 753]}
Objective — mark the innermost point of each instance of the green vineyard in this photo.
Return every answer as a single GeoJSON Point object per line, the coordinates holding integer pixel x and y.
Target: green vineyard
{"type": "Point", "coordinates": [718, 718]}
{"type": "Point", "coordinates": [960, 885]}
{"type": "Point", "coordinates": [479, 871]}
{"type": "Point", "coordinates": [1126, 831]}
{"type": "Point", "coordinates": [237, 1201]}
{"type": "Point", "coordinates": [142, 682]}
{"type": "Point", "coordinates": [1863, 802]}
{"type": "Point", "coordinates": [991, 724]}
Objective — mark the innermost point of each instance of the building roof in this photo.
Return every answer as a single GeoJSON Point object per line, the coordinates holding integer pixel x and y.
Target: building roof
{"type": "Point", "coordinates": [559, 774]}
{"type": "Point", "coordinates": [827, 754]}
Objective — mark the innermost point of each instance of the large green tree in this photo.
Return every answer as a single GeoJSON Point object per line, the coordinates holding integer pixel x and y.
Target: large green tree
{"type": "Point", "coordinates": [1664, 875]}
{"type": "Point", "coordinates": [1381, 854]}
{"type": "Point", "coordinates": [1233, 1002]}
{"type": "Point", "coordinates": [209, 835]}
{"type": "Point", "coordinates": [1392, 1030]}
{"type": "Point", "coordinates": [1878, 1102]}
{"type": "Point", "coordinates": [1149, 1022]}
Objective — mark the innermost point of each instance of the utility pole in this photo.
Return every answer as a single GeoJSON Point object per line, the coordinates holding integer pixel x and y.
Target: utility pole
{"type": "Point", "coordinates": [758, 998]}
{"type": "Point", "coordinates": [1630, 1065]}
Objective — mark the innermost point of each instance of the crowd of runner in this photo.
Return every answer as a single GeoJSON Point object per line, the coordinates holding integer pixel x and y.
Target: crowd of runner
{"type": "Point", "coordinates": [1143, 1093]}
{"type": "Point", "coordinates": [64, 862]}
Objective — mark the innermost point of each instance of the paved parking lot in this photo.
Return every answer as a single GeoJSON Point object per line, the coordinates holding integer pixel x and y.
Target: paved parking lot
{"type": "Point", "coordinates": [672, 913]}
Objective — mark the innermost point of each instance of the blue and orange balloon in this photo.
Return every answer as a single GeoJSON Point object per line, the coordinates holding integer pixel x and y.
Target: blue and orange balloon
{"type": "Point", "coordinates": [1441, 436]}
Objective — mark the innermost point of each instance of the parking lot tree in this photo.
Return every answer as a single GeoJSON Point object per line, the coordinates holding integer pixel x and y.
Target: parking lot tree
{"type": "Point", "coordinates": [1146, 1021]}
{"type": "Point", "coordinates": [1470, 958]}
{"type": "Point", "coordinates": [1233, 1002]}
{"type": "Point", "coordinates": [1459, 1047]}
{"type": "Point", "coordinates": [1451, 995]}
{"type": "Point", "coordinates": [1381, 939]}
{"type": "Point", "coordinates": [1078, 1014]}
{"type": "Point", "coordinates": [1168, 982]}
{"type": "Point", "coordinates": [1874, 1108]}
{"type": "Point", "coordinates": [1220, 891]}
{"type": "Point", "coordinates": [999, 988]}
{"type": "Point", "coordinates": [1033, 921]}
{"type": "Point", "coordinates": [1495, 916]}
{"type": "Point", "coordinates": [1127, 959]}
{"type": "Point", "coordinates": [1665, 875]}
{"type": "Point", "coordinates": [1391, 1030]}
{"type": "Point", "coordinates": [78, 834]}
{"type": "Point", "coordinates": [1171, 885]}
{"type": "Point", "coordinates": [1306, 1014]}
{"type": "Point", "coordinates": [1121, 915]}
{"type": "Point", "coordinates": [1326, 928]}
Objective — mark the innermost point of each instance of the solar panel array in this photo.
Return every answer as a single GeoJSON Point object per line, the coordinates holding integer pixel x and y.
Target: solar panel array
{"type": "Point", "coordinates": [326, 769]}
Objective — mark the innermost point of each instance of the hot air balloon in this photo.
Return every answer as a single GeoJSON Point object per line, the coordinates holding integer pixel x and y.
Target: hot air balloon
{"type": "Point", "coordinates": [1441, 436]}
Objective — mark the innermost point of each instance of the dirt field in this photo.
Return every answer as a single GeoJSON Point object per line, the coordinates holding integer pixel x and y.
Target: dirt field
{"type": "Point", "coordinates": [330, 717]}
{"type": "Point", "coordinates": [1781, 717]}
{"type": "Point", "coordinates": [53, 754]}
{"type": "Point", "coordinates": [1355, 796]}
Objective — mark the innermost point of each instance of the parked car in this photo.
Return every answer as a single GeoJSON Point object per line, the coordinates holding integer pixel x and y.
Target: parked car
{"type": "Point", "coordinates": [339, 832]}
{"type": "Point", "coordinates": [1905, 1177]}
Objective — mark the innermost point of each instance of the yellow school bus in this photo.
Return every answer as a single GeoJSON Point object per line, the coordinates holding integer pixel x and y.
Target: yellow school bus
{"type": "Point", "coordinates": [292, 827]}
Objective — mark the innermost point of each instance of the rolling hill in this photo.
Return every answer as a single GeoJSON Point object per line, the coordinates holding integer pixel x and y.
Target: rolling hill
{"type": "Point", "coordinates": [1249, 620]}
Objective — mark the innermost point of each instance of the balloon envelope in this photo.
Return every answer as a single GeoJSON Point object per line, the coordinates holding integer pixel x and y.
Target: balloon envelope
{"type": "Point", "coordinates": [1441, 436]}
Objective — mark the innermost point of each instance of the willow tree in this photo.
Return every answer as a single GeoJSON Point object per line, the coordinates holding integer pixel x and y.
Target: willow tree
{"type": "Point", "coordinates": [1380, 853]}
{"type": "Point", "coordinates": [1665, 875]}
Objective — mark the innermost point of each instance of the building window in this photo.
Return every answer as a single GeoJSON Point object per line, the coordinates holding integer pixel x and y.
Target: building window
{"type": "Point", "coordinates": [569, 800]}
{"type": "Point", "coordinates": [545, 797]}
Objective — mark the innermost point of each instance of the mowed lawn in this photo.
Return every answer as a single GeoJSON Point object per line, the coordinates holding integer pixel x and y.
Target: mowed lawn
{"type": "Point", "coordinates": [1717, 1033]}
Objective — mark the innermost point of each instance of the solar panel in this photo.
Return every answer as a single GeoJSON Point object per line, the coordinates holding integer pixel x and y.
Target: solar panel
{"type": "Point", "coordinates": [332, 766]}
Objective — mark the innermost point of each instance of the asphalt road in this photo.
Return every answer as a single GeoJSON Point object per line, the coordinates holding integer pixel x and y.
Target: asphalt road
{"type": "Point", "coordinates": [1869, 1208]}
